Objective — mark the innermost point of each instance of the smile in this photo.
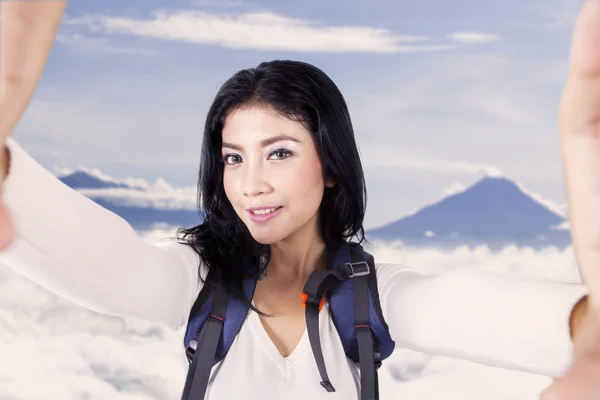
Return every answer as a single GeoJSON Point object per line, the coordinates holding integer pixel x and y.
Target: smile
{"type": "Point", "coordinates": [261, 214]}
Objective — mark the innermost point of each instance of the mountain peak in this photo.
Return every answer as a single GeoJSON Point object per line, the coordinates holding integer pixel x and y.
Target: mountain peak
{"type": "Point", "coordinates": [84, 178]}
{"type": "Point", "coordinates": [490, 185]}
{"type": "Point", "coordinates": [143, 206]}
{"type": "Point", "coordinates": [494, 211]}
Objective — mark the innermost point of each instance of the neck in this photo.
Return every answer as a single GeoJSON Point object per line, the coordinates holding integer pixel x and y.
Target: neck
{"type": "Point", "coordinates": [297, 256]}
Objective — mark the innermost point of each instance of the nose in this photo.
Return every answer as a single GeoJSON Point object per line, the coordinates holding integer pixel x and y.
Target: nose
{"type": "Point", "coordinates": [255, 182]}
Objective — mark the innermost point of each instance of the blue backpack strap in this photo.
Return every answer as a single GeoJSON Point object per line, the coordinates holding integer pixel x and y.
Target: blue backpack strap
{"type": "Point", "coordinates": [341, 300]}
{"type": "Point", "coordinates": [207, 343]}
{"type": "Point", "coordinates": [317, 285]}
{"type": "Point", "coordinates": [349, 283]}
{"type": "Point", "coordinates": [369, 358]}
{"type": "Point", "coordinates": [214, 322]}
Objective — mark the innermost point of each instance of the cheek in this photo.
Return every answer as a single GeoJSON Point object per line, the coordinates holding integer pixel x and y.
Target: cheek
{"type": "Point", "coordinates": [304, 183]}
{"type": "Point", "coordinates": [229, 186]}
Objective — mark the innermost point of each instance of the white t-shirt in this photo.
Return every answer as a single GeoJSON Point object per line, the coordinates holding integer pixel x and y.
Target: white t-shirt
{"type": "Point", "coordinates": [87, 254]}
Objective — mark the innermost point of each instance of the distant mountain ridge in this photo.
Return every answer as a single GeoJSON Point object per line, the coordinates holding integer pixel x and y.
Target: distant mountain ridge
{"type": "Point", "coordinates": [83, 180]}
{"type": "Point", "coordinates": [494, 212]}
{"type": "Point", "coordinates": [142, 217]}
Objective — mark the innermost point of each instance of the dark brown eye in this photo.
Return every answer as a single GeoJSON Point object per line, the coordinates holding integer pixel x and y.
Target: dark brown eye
{"type": "Point", "coordinates": [232, 159]}
{"type": "Point", "coordinates": [280, 154]}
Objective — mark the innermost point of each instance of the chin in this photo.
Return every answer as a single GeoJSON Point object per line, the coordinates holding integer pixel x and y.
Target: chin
{"type": "Point", "coordinates": [267, 235]}
{"type": "Point", "coordinates": [266, 238]}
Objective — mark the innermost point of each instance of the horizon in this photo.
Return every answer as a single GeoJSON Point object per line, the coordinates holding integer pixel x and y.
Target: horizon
{"type": "Point", "coordinates": [185, 197]}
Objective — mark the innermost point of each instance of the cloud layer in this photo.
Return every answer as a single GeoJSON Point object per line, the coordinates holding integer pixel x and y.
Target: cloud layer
{"type": "Point", "coordinates": [80, 354]}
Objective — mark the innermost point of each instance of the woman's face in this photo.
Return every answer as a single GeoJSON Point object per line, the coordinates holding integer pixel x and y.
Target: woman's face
{"type": "Point", "coordinates": [273, 175]}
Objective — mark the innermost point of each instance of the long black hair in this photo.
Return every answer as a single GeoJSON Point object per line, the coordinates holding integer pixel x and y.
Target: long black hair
{"type": "Point", "coordinates": [303, 93]}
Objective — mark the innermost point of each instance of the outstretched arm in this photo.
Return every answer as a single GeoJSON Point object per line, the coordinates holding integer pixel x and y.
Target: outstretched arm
{"type": "Point", "coordinates": [62, 240]}
{"type": "Point", "coordinates": [481, 316]}
{"type": "Point", "coordinates": [84, 253]}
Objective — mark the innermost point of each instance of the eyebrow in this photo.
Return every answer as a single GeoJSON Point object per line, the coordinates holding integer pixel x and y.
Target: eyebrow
{"type": "Point", "coordinates": [264, 142]}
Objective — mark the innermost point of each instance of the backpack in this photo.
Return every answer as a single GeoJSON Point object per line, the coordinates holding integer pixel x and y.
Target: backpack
{"type": "Point", "coordinates": [350, 284]}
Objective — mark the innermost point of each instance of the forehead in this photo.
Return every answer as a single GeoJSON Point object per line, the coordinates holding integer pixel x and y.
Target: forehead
{"type": "Point", "coordinates": [255, 123]}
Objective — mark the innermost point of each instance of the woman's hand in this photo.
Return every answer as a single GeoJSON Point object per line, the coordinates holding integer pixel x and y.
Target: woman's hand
{"type": "Point", "coordinates": [26, 35]}
{"type": "Point", "coordinates": [580, 141]}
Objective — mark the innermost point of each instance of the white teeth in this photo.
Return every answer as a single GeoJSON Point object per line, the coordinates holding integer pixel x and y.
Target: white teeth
{"type": "Point", "coordinates": [265, 211]}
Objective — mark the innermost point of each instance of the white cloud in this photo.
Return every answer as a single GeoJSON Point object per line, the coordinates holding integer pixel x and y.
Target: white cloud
{"type": "Point", "coordinates": [81, 354]}
{"type": "Point", "coordinates": [453, 189]}
{"type": "Point", "coordinates": [139, 183]}
{"type": "Point", "coordinates": [560, 209]}
{"type": "Point", "coordinates": [140, 193]}
{"type": "Point", "coordinates": [257, 30]}
{"type": "Point", "coordinates": [163, 198]}
{"type": "Point", "coordinates": [565, 226]}
{"type": "Point", "coordinates": [548, 264]}
{"type": "Point", "coordinates": [84, 43]}
{"type": "Point", "coordinates": [472, 37]}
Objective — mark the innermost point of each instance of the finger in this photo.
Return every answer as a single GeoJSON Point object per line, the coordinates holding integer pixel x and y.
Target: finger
{"type": "Point", "coordinates": [585, 46]}
{"type": "Point", "coordinates": [580, 142]}
{"type": "Point", "coordinates": [581, 98]}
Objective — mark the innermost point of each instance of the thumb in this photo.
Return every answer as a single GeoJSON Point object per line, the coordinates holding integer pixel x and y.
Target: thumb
{"type": "Point", "coordinates": [585, 47]}
{"type": "Point", "coordinates": [7, 232]}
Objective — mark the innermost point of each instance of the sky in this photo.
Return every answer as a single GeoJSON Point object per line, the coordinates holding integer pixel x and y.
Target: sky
{"type": "Point", "coordinates": [80, 354]}
{"type": "Point", "coordinates": [440, 93]}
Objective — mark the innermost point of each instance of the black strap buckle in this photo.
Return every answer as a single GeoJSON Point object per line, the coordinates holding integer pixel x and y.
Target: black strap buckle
{"type": "Point", "coordinates": [360, 268]}
{"type": "Point", "coordinates": [378, 362]}
{"type": "Point", "coordinates": [191, 350]}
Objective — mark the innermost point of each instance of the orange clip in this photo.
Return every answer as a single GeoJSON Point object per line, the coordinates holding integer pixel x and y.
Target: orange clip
{"type": "Point", "coordinates": [304, 298]}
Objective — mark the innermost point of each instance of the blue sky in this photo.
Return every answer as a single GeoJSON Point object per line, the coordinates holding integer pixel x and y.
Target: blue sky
{"type": "Point", "coordinates": [439, 92]}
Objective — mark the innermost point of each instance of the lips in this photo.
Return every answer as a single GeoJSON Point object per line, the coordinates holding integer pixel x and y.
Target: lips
{"type": "Point", "coordinates": [263, 213]}
{"type": "Point", "coordinates": [263, 210]}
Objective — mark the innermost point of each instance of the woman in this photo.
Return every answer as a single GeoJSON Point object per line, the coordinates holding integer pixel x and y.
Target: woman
{"type": "Point", "coordinates": [280, 170]}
